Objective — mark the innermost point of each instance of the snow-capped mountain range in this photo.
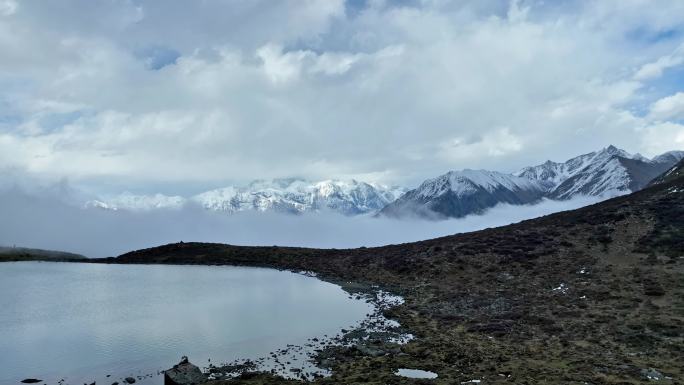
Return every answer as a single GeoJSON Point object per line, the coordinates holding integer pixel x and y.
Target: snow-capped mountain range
{"type": "Point", "coordinates": [300, 196]}
{"type": "Point", "coordinates": [605, 173]}
{"type": "Point", "coordinates": [279, 195]}
{"type": "Point", "coordinates": [459, 193]}
{"type": "Point", "coordinates": [608, 172]}
{"type": "Point", "coordinates": [128, 201]}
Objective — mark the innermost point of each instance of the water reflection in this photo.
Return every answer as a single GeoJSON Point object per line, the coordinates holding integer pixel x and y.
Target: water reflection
{"type": "Point", "coordinates": [81, 322]}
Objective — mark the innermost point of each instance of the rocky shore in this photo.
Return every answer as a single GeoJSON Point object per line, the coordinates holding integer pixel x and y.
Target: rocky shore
{"type": "Point", "coordinates": [374, 336]}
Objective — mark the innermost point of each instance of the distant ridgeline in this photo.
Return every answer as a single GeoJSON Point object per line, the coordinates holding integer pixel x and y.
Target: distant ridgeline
{"type": "Point", "coordinates": [9, 254]}
{"type": "Point", "coordinates": [605, 173]}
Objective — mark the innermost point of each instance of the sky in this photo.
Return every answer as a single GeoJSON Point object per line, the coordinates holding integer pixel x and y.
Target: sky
{"type": "Point", "coordinates": [178, 96]}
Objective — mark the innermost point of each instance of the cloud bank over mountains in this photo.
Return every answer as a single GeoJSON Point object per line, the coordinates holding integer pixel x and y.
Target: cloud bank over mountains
{"type": "Point", "coordinates": [136, 93]}
{"type": "Point", "coordinates": [43, 221]}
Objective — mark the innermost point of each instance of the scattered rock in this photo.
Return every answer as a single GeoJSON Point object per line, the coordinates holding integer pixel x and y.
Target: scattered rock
{"type": "Point", "coordinates": [651, 374]}
{"type": "Point", "coordinates": [130, 380]}
{"type": "Point", "coordinates": [369, 350]}
{"type": "Point", "coordinates": [184, 373]}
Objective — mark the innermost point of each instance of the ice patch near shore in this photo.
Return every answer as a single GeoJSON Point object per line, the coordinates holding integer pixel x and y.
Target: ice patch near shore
{"type": "Point", "coordinates": [385, 298]}
{"type": "Point", "coordinates": [308, 273]}
{"type": "Point", "coordinates": [415, 373]}
{"type": "Point", "coordinates": [562, 288]}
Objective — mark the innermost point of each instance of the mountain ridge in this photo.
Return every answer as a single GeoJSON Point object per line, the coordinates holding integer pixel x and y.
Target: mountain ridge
{"type": "Point", "coordinates": [605, 173]}
{"type": "Point", "coordinates": [608, 171]}
{"type": "Point", "coordinates": [459, 193]}
{"type": "Point", "coordinates": [285, 195]}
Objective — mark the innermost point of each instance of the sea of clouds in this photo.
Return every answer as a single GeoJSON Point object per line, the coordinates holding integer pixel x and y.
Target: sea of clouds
{"type": "Point", "coordinates": [47, 221]}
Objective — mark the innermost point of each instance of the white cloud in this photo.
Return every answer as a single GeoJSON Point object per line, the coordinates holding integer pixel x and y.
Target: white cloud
{"type": "Point", "coordinates": [310, 88]}
{"type": "Point", "coordinates": [516, 12]}
{"type": "Point", "coordinates": [497, 143]}
{"type": "Point", "coordinates": [655, 69]}
{"type": "Point", "coordinates": [282, 66]}
{"type": "Point", "coordinates": [8, 7]}
{"type": "Point", "coordinates": [660, 137]}
{"type": "Point", "coordinates": [334, 63]}
{"type": "Point", "coordinates": [669, 107]}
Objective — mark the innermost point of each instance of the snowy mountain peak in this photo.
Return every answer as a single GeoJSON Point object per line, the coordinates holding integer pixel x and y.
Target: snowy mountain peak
{"type": "Point", "coordinates": [289, 195]}
{"type": "Point", "coordinates": [298, 196]}
{"type": "Point", "coordinates": [669, 157]}
{"type": "Point", "coordinates": [460, 193]}
{"type": "Point", "coordinates": [612, 150]}
{"type": "Point", "coordinates": [465, 181]}
{"type": "Point", "coordinates": [133, 202]}
{"type": "Point", "coordinates": [609, 171]}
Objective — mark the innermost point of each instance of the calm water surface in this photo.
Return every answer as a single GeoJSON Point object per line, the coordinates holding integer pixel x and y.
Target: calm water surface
{"type": "Point", "coordinates": [81, 322]}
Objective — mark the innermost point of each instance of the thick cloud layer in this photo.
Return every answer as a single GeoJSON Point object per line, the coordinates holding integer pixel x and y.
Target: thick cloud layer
{"type": "Point", "coordinates": [135, 93]}
{"type": "Point", "coordinates": [45, 222]}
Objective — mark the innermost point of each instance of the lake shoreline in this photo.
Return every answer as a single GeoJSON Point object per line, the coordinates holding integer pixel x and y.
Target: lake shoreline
{"type": "Point", "coordinates": [288, 297]}
{"type": "Point", "coordinates": [376, 336]}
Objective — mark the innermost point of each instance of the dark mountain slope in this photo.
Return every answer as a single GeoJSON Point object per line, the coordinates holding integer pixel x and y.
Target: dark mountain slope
{"type": "Point", "coordinates": [674, 173]}
{"type": "Point", "coordinates": [594, 295]}
{"type": "Point", "coordinates": [641, 172]}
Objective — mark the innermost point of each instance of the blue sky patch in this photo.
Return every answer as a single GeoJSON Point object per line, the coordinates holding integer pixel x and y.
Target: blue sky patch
{"type": "Point", "coordinates": [55, 121]}
{"type": "Point", "coordinates": [671, 82]}
{"type": "Point", "coordinates": [649, 36]}
{"type": "Point", "coordinates": [158, 57]}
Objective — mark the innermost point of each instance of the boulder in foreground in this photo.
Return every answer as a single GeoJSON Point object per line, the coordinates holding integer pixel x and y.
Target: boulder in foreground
{"type": "Point", "coordinates": [184, 373]}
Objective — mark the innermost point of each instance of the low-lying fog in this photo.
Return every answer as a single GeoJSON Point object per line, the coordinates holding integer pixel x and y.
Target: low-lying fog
{"type": "Point", "coordinates": [43, 222]}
